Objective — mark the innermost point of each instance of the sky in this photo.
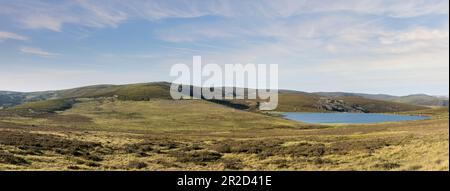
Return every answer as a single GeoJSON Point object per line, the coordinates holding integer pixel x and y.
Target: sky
{"type": "Point", "coordinates": [368, 46]}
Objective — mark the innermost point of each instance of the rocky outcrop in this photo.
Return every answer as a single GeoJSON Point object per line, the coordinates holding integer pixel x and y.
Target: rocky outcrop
{"type": "Point", "coordinates": [337, 105]}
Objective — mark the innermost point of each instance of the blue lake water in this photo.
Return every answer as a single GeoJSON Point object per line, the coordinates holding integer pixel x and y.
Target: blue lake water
{"type": "Point", "coordinates": [348, 118]}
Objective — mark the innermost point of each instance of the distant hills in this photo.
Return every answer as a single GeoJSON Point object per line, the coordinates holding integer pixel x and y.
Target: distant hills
{"type": "Point", "coordinates": [8, 98]}
{"type": "Point", "coordinates": [415, 99]}
{"type": "Point", "coordinates": [422, 99]}
{"type": "Point", "coordinates": [136, 92]}
{"type": "Point", "coordinates": [288, 100]}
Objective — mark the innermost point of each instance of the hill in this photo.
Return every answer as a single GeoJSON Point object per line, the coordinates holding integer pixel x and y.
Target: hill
{"type": "Point", "coordinates": [9, 99]}
{"type": "Point", "coordinates": [415, 99]}
{"type": "Point", "coordinates": [422, 99]}
{"type": "Point", "coordinates": [384, 97]}
{"type": "Point", "coordinates": [300, 101]}
{"type": "Point", "coordinates": [289, 101]}
{"type": "Point", "coordinates": [134, 92]}
{"type": "Point", "coordinates": [107, 127]}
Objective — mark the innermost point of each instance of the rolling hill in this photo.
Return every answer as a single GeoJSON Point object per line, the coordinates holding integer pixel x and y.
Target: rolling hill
{"type": "Point", "coordinates": [109, 127]}
{"type": "Point", "coordinates": [422, 99]}
{"type": "Point", "coordinates": [8, 98]}
{"type": "Point", "coordinates": [415, 99]}
{"type": "Point", "coordinates": [289, 101]}
{"type": "Point", "coordinates": [300, 101]}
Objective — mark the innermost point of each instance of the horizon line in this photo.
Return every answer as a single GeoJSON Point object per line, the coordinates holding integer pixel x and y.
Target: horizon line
{"type": "Point", "coordinates": [280, 89]}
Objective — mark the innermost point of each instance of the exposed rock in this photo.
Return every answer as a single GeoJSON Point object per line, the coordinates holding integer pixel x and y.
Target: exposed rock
{"type": "Point", "coordinates": [330, 104]}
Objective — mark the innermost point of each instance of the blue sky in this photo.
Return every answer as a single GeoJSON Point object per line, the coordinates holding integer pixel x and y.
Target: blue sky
{"type": "Point", "coordinates": [369, 46]}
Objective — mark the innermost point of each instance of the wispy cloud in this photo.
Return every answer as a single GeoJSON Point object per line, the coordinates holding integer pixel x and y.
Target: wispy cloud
{"type": "Point", "coordinates": [43, 21]}
{"type": "Point", "coordinates": [110, 13]}
{"type": "Point", "coordinates": [4, 35]}
{"type": "Point", "coordinates": [53, 15]}
{"type": "Point", "coordinates": [37, 52]}
{"type": "Point", "coordinates": [415, 35]}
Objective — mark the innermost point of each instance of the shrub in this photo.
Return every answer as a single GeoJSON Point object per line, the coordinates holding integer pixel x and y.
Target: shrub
{"type": "Point", "coordinates": [137, 164]}
{"type": "Point", "coordinates": [9, 158]}
{"type": "Point", "coordinates": [232, 164]}
{"type": "Point", "coordinates": [197, 156]}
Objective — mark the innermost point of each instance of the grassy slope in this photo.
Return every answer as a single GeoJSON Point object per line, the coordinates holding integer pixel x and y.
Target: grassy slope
{"type": "Point", "coordinates": [306, 102]}
{"type": "Point", "coordinates": [288, 100]}
{"type": "Point", "coordinates": [8, 99]}
{"type": "Point", "coordinates": [113, 114]}
{"type": "Point", "coordinates": [416, 99]}
{"type": "Point", "coordinates": [136, 92]}
{"type": "Point", "coordinates": [422, 100]}
{"type": "Point", "coordinates": [45, 106]}
{"type": "Point", "coordinates": [378, 106]}
{"type": "Point", "coordinates": [297, 102]}
{"type": "Point", "coordinates": [170, 115]}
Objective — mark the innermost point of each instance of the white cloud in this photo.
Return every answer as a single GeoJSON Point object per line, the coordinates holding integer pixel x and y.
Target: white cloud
{"type": "Point", "coordinates": [414, 35]}
{"type": "Point", "coordinates": [413, 41]}
{"type": "Point", "coordinates": [37, 51]}
{"type": "Point", "coordinates": [53, 15]}
{"type": "Point", "coordinates": [43, 21]}
{"type": "Point", "coordinates": [402, 9]}
{"type": "Point", "coordinates": [101, 14]}
{"type": "Point", "coordinates": [4, 35]}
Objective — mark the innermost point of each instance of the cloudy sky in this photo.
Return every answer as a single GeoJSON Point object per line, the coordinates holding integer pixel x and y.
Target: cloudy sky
{"type": "Point", "coordinates": [370, 46]}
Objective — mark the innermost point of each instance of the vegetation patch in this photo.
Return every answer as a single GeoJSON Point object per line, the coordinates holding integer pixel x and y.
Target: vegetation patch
{"type": "Point", "coordinates": [154, 145]}
{"type": "Point", "coordinates": [196, 156]}
{"type": "Point", "coordinates": [69, 119]}
{"type": "Point", "coordinates": [249, 147]}
{"type": "Point", "coordinates": [232, 164]}
{"type": "Point", "coordinates": [35, 144]}
{"type": "Point", "coordinates": [9, 158]}
{"type": "Point", "coordinates": [47, 105]}
{"type": "Point", "coordinates": [387, 166]}
{"type": "Point", "coordinates": [137, 164]}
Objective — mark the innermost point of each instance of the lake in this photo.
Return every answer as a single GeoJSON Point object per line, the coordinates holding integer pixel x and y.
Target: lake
{"type": "Point", "coordinates": [348, 118]}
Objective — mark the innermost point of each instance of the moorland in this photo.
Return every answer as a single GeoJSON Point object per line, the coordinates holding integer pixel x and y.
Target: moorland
{"type": "Point", "coordinates": [139, 127]}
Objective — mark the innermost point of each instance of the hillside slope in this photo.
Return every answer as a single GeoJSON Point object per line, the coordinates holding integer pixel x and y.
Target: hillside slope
{"type": "Point", "coordinates": [422, 99]}
{"type": "Point", "coordinates": [9, 99]}
{"type": "Point", "coordinates": [289, 101]}
{"type": "Point", "coordinates": [311, 102]}
{"type": "Point", "coordinates": [134, 92]}
{"type": "Point", "coordinates": [415, 99]}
